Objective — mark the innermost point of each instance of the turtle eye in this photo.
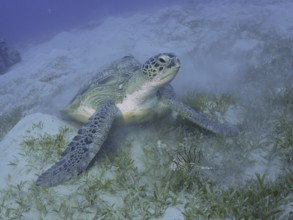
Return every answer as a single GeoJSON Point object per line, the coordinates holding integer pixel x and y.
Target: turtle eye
{"type": "Point", "coordinates": [162, 60]}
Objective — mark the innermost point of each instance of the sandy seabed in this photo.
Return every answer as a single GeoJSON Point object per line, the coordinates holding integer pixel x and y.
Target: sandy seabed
{"type": "Point", "coordinates": [216, 42]}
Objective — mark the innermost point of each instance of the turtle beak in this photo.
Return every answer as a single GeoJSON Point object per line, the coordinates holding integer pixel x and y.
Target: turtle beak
{"type": "Point", "coordinates": [178, 63]}
{"type": "Point", "coordinates": [175, 63]}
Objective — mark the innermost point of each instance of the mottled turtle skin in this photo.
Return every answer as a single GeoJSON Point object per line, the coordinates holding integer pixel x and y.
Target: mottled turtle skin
{"type": "Point", "coordinates": [125, 91]}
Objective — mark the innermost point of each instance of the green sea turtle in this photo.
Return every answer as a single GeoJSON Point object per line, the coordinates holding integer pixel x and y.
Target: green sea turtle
{"type": "Point", "coordinates": [125, 91]}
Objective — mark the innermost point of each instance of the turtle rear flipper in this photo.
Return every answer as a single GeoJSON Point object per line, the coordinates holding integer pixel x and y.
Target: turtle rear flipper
{"type": "Point", "coordinates": [83, 148]}
{"type": "Point", "coordinates": [167, 96]}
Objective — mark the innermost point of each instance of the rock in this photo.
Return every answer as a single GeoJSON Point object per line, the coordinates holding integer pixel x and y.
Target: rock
{"type": "Point", "coordinates": [8, 57]}
{"type": "Point", "coordinates": [13, 166]}
{"type": "Point", "coordinates": [172, 213]}
{"type": "Point", "coordinates": [13, 57]}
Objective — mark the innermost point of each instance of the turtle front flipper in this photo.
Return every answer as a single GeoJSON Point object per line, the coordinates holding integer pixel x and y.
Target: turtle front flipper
{"type": "Point", "coordinates": [83, 148]}
{"type": "Point", "coordinates": [167, 96]}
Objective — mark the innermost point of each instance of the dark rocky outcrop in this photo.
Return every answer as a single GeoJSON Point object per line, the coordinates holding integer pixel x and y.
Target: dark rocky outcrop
{"type": "Point", "coordinates": [8, 57]}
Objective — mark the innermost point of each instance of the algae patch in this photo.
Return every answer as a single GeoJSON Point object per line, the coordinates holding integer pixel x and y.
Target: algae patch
{"type": "Point", "coordinates": [178, 166]}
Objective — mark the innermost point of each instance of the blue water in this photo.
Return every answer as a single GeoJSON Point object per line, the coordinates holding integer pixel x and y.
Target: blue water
{"type": "Point", "coordinates": [23, 20]}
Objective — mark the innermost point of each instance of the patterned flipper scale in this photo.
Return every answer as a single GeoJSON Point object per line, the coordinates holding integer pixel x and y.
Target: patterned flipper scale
{"type": "Point", "coordinates": [167, 96]}
{"type": "Point", "coordinates": [83, 148]}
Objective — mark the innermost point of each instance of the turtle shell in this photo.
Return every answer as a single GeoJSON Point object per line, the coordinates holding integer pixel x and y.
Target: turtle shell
{"type": "Point", "coordinates": [111, 84]}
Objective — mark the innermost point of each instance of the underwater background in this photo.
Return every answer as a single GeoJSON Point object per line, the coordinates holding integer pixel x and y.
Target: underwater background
{"type": "Point", "coordinates": [22, 21]}
{"type": "Point", "coordinates": [237, 68]}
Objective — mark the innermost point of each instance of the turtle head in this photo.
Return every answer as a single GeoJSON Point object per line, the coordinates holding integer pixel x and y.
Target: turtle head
{"type": "Point", "coordinates": [161, 69]}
